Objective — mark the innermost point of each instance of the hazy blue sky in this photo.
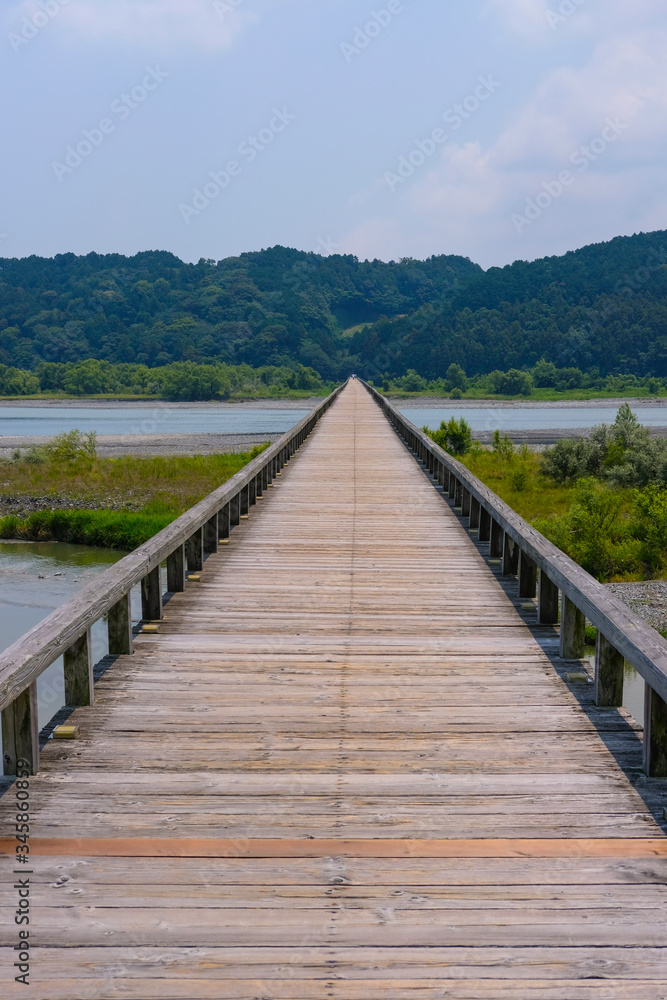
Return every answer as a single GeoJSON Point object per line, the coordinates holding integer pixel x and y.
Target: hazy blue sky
{"type": "Point", "coordinates": [306, 109]}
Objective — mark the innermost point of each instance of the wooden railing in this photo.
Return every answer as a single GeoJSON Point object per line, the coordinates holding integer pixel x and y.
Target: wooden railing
{"type": "Point", "coordinates": [565, 591]}
{"type": "Point", "coordinates": [183, 544]}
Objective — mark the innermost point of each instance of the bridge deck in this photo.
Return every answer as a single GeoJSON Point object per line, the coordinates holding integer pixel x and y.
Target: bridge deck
{"type": "Point", "coordinates": [349, 668]}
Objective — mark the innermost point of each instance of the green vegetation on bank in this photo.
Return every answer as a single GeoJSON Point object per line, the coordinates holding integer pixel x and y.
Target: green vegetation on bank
{"type": "Point", "coordinates": [600, 310]}
{"type": "Point", "coordinates": [543, 382]}
{"type": "Point", "coordinates": [602, 500]}
{"type": "Point", "coordinates": [116, 503]}
{"type": "Point", "coordinates": [182, 381]}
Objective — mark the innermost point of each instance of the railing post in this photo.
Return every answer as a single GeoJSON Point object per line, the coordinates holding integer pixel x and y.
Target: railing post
{"type": "Point", "coordinates": [244, 505]}
{"type": "Point", "coordinates": [527, 576]}
{"type": "Point", "coordinates": [496, 548]}
{"type": "Point", "coordinates": [20, 733]}
{"type": "Point", "coordinates": [234, 511]}
{"type": "Point", "coordinates": [465, 503]}
{"type": "Point", "coordinates": [547, 601]}
{"type": "Point", "coordinates": [176, 571]}
{"type": "Point", "coordinates": [510, 556]}
{"type": "Point", "coordinates": [211, 535]}
{"type": "Point", "coordinates": [79, 683]}
{"type": "Point", "coordinates": [194, 550]}
{"type": "Point", "coordinates": [119, 627]}
{"type": "Point", "coordinates": [655, 734]}
{"type": "Point", "coordinates": [484, 525]}
{"type": "Point", "coordinates": [452, 486]}
{"type": "Point", "coordinates": [572, 630]}
{"type": "Point", "coordinates": [259, 484]}
{"type": "Point", "coordinates": [223, 522]}
{"type": "Point", "coordinates": [444, 477]}
{"type": "Point", "coordinates": [151, 596]}
{"type": "Point", "coordinates": [609, 664]}
{"type": "Point", "coordinates": [474, 513]}
{"type": "Point", "coordinates": [458, 494]}
{"type": "Point", "coordinates": [252, 492]}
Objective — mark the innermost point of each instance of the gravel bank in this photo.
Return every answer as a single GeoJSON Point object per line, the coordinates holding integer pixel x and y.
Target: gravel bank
{"type": "Point", "coordinates": [145, 445]}
{"type": "Point", "coordinates": [647, 599]}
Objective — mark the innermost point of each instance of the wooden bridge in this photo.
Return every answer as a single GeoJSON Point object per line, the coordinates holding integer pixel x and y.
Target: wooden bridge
{"type": "Point", "coordinates": [351, 764]}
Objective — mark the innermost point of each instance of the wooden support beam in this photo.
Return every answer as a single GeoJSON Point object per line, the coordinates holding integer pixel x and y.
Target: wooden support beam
{"type": "Point", "coordinates": [151, 596]}
{"type": "Point", "coordinates": [176, 570]}
{"type": "Point", "coordinates": [465, 503]}
{"type": "Point", "coordinates": [211, 535]}
{"type": "Point", "coordinates": [119, 627]}
{"type": "Point", "coordinates": [510, 556]}
{"type": "Point", "coordinates": [79, 683]}
{"type": "Point", "coordinates": [527, 576]}
{"type": "Point", "coordinates": [484, 525]}
{"type": "Point", "coordinates": [547, 601]}
{"type": "Point", "coordinates": [244, 503]}
{"type": "Point", "coordinates": [252, 492]}
{"type": "Point", "coordinates": [452, 486]}
{"type": "Point", "coordinates": [496, 548]}
{"type": "Point", "coordinates": [234, 511]}
{"type": "Point", "coordinates": [259, 484]}
{"type": "Point", "coordinates": [655, 735]}
{"type": "Point", "coordinates": [572, 631]}
{"type": "Point", "coordinates": [474, 513]}
{"type": "Point", "coordinates": [458, 494]}
{"type": "Point", "coordinates": [194, 551]}
{"type": "Point", "coordinates": [609, 664]}
{"type": "Point", "coordinates": [20, 734]}
{"type": "Point", "coordinates": [223, 522]}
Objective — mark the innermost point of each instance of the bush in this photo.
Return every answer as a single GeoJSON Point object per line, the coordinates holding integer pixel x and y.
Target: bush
{"type": "Point", "coordinates": [454, 436]}
{"type": "Point", "coordinates": [590, 532]}
{"type": "Point", "coordinates": [650, 524]}
{"type": "Point", "coordinates": [503, 446]}
{"type": "Point", "coordinates": [519, 479]}
{"type": "Point", "coordinates": [511, 383]}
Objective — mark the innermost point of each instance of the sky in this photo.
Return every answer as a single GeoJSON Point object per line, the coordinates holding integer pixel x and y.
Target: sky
{"type": "Point", "coordinates": [495, 129]}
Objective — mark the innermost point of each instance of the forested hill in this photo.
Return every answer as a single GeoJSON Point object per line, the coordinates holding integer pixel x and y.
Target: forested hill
{"type": "Point", "coordinates": [602, 308]}
{"type": "Point", "coordinates": [275, 307]}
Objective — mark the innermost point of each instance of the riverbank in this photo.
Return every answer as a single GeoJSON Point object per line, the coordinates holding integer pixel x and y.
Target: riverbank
{"type": "Point", "coordinates": [149, 445]}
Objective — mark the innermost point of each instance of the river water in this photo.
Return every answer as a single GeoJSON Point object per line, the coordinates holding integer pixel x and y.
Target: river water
{"type": "Point", "coordinates": [35, 579]}
{"type": "Point", "coordinates": [162, 418]}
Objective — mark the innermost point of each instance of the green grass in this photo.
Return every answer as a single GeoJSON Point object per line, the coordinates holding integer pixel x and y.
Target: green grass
{"type": "Point", "coordinates": [103, 528]}
{"type": "Point", "coordinates": [120, 502]}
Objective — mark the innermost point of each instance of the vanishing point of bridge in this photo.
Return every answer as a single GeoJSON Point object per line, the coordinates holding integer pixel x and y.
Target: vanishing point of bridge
{"type": "Point", "coordinates": [349, 763]}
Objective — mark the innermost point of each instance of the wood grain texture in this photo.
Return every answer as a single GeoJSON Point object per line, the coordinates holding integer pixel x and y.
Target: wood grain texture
{"type": "Point", "coordinates": [350, 693]}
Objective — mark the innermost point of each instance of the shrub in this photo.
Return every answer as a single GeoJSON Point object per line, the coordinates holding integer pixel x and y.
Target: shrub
{"type": "Point", "coordinates": [455, 436]}
{"type": "Point", "coordinates": [519, 479]}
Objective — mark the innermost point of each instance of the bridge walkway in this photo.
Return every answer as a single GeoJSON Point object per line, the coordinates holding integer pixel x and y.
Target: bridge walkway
{"type": "Point", "coordinates": [344, 768]}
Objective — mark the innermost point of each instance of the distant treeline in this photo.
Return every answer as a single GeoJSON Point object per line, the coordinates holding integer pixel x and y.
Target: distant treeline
{"type": "Point", "coordinates": [182, 380]}
{"type": "Point", "coordinates": [520, 382]}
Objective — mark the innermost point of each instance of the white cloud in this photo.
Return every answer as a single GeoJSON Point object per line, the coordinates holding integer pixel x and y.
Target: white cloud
{"type": "Point", "coordinates": [549, 19]}
{"type": "Point", "coordinates": [464, 201]}
{"type": "Point", "coordinates": [210, 25]}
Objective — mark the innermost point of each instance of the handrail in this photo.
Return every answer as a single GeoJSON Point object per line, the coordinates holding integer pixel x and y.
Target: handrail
{"type": "Point", "coordinates": [67, 628]}
{"type": "Point", "coordinates": [622, 634]}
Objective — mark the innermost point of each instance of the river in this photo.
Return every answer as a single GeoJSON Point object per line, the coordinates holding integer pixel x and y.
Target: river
{"type": "Point", "coordinates": [18, 420]}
